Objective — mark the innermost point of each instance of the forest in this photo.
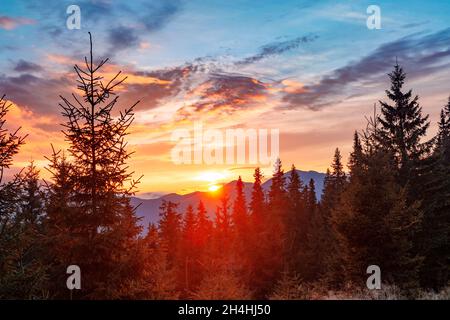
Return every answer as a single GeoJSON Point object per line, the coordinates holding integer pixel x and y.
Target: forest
{"type": "Point", "coordinates": [388, 206]}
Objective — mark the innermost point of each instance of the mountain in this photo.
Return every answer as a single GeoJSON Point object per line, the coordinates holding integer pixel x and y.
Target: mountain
{"type": "Point", "coordinates": [148, 209]}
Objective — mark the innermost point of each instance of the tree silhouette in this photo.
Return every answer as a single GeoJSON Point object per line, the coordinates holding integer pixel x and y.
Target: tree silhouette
{"type": "Point", "coordinates": [105, 232]}
{"type": "Point", "coordinates": [9, 142]}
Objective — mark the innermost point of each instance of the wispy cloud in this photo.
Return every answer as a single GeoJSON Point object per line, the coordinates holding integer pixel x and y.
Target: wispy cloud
{"type": "Point", "coordinates": [420, 53]}
{"type": "Point", "coordinates": [27, 66]}
{"type": "Point", "coordinates": [10, 23]}
{"type": "Point", "coordinates": [276, 48]}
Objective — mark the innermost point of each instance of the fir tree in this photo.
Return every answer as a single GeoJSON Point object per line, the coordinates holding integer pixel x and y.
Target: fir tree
{"type": "Point", "coordinates": [104, 235]}
{"type": "Point", "coordinates": [435, 272]}
{"type": "Point", "coordinates": [403, 127]}
{"type": "Point", "coordinates": [170, 230]}
{"type": "Point", "coordinates": [334, 185]}
{"type": "Point", "coordinates": [372, 223]}
{"type": "Point", "coordinates": [296, 220]}
{"type": "Point", "coordinates": [189, 251]}
{"type": "Point", "coordinates": [9, 142]}
{"type": "Point", "coordinates": [24, 274]}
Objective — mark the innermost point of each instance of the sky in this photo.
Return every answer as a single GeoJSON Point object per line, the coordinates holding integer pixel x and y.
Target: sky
{"type": "Point", "coordinates": [311, 69]}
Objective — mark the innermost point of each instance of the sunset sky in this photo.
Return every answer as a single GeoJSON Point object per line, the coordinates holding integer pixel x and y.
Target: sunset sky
{"type": "Point", "coordinates": [311, 69]}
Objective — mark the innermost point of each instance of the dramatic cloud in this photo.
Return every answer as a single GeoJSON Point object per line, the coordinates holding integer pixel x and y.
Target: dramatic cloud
{"type": "Point", "coordinates": [420, 55]}
{"type": "Point", "coordinates": [10, 23]}
{"type": "Point", "coordinates": [159, 14]}
{"type": "Point", "coordinates": [277, 48]}
{"type": "Point", "coordinates": [225, 93]}
{"type": "Point", "coordinates": [26, 66]}
{"type": "Point", "coordinates": [41, 95]}
{"type": "Point", "coordinates": [122, 38]}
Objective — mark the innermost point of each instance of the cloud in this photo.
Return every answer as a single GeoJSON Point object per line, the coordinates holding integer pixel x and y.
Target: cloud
{"type": "Point", "coordinates": [10, 23]}
{"type": "Point", "coordinates": [151, 17]}
{"type": "Point", "coordinates": [276, 48]}
{"type": "Point", "coordinates": [41, 95]}
{"type": "Point", "coordinates": [121, 38]}
{"type": "Point", "coordinates": [159, 13]}
{"type": "Point", "coordinates": [26, 66]}
{"type": "Point", "coordinates": [224, 94]}
{"type": "Point", "coordinates": [420, 55]}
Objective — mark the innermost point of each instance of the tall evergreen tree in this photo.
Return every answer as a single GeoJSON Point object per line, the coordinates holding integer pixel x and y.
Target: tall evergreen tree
{"type": "Point", "coordinates": [257, 201]}
{"type": "Point", "coordinates": [189, 253]}
{"type": "Point", "coordinates": [170, 230]}
{"type": "Point", "coordinates": [296, 220]}
{"type": "Point", "coordinates": [403, 127]}
{"type": "Point", "coordinates": [435, 272]}
{"type": "Point", "coordinates": [275, 261]}
{"type": "Point", "coordinates": [105, 233]}
{"type": "Point", "coordinates": [334, 185]}
{"type": "Point", "coordinates": [9, 142]}
{"type": "Point", "coordinates": [239, 214]}
{"type": "Point", "coordinates": [372, 223]}
{"type": "Point", "coordinates": [24, 274]}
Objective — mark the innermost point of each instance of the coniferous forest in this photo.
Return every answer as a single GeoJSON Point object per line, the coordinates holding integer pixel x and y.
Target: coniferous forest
{"type": "Point", "coordinates": [388, 206]}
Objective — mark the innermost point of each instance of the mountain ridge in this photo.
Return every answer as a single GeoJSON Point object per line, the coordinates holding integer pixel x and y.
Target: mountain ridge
{"type": "Point", "coordinates": [148, 209]}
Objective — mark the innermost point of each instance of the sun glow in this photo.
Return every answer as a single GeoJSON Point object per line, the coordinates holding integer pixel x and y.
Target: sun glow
{"type": "Point", "coordinates": [214, 188]}
{"type": "Point", "coordinates": [211, 176]}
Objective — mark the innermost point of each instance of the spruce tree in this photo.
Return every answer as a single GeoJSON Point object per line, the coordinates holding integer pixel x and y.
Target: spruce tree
{"type": "Point", "coordinates": [334, 185]}
{"type": "Point", "coordinates": [435, 272]}
{"type": "Point", "coordinates": [189, 253]}
{"type": "Point", "coordinates": [296, 220]}
{"type": "Point", "coordinates": [372, 223]}
{"type": "Point", "coordinates": [9, 142]}
{"type": "Point", "coordinates": [241, 236]}
{"type": "Point", "coordinates": [24, 271]}
{"type": "Point", "coordinates": [403, 127]}
{"type": "Point", "coordinates": [104, 235]}
{"type": "Point", "coordinates": [239, 214]}
{"type": "Point", "coordinates": [61, 221]}
{"type": "Point", "coordinates": [170, 230]}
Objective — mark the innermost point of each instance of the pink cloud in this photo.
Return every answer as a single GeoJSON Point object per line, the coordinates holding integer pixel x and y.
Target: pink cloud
{"type": "Point", "coordinates": [10, 23]}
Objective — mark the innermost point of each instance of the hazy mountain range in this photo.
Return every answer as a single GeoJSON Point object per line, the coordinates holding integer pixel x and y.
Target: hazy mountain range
{"type": "Point", "coordinates": [148, 209]}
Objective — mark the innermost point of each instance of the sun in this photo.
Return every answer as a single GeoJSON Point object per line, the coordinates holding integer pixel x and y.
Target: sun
{"type": "Point", "coordinates": [211, 176]}
{"type": "Point", "coordinates": [214, 188]}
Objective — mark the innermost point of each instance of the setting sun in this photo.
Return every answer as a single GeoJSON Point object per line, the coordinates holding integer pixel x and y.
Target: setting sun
{"type": "Point", "coordinates": [211, 176]}
{"type": "Point", "coordinates": [213, 188]}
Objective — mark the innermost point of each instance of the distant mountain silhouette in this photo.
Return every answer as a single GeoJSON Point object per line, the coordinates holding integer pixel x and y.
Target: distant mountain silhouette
{"type": "Point", "coordinates": [148, 209]}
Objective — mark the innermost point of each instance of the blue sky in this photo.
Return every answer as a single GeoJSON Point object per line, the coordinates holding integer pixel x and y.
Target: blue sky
{"type": "Point", "coordinates": [312, 68]}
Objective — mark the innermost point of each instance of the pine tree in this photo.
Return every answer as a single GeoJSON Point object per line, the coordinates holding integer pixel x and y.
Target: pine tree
{"type": "Point", "coordinates": [403, 127]}
{"type": "Point", "coordinates": [274, 241]}
{"type": "Point", "coordinates": [259, 236]}
{"type": "Point", "coordinates": [61, 221]}
{"type": "Point", "coordinates": [372, 223]}
{"type": "Point", "coordinates": [311, 199]}
{"type": "Point", "coordinates": [203, 227]}
{"type": "Point", "coordinates": [241, 233]}
{"type": "Point", "coordinates": [104, 237]}
{"type": "Point", "coordinates": [170, 230]}
{"type": "Point", "coordinates": [9, 142]}
{"type": "Point", "coordinates": [435, 272]}
{"type": "Point", "coordinates": [25, 276]}
{"type": "Point", "coordinates": [159, 280]}
{"type": "Point", "coordinates": [239, 214]}
{"type": "Point", "coordinates": [189, 253]}
{"type": "Point", "coordinates": [296, 221]}
{"type": "Point", "coordinates": [257, 201]}
{"type": "Point", "coordinates": [313, 265]}
{"type": "Point", "coordinates": [334, 185]}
